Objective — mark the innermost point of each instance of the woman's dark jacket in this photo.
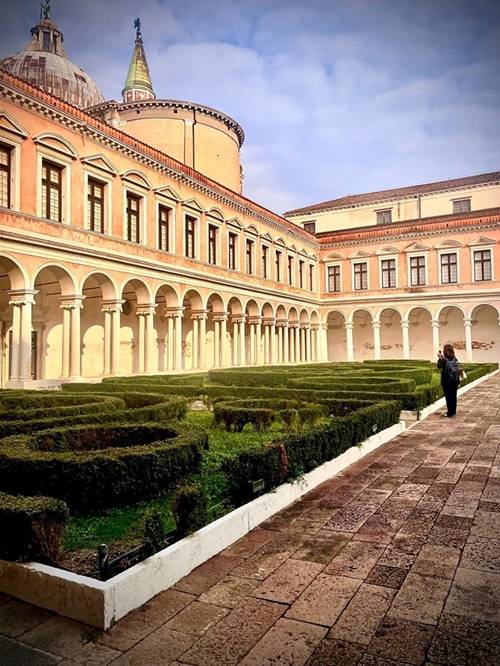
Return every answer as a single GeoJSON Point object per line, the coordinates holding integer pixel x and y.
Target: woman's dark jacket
{"type": "Point", "coordinates": [450, 371]}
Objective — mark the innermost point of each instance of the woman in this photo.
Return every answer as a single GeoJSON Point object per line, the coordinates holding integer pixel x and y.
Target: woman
{"type": "Point", "coordinates": [450, 377]}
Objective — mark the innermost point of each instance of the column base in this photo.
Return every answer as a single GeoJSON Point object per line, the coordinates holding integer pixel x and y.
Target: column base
{"type": "Point", "coordinates": [22, 384]}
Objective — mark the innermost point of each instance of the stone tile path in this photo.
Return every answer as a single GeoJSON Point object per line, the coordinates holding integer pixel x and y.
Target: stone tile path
{"type": "Point", "coordinates": [395, 561]}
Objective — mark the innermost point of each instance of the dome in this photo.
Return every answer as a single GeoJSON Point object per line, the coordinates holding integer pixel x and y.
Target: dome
{"type": "Point", "coordinates": [44, 63]}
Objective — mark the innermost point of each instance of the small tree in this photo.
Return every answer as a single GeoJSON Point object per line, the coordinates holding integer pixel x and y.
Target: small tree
{"type": "Point", "coordinates": [154, 533]}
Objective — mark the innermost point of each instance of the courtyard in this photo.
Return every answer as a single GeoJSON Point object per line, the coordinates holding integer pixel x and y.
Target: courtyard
{"type": "Point", "coordinates": [393, 561]}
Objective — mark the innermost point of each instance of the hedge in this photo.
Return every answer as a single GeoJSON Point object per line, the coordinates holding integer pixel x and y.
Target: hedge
{"type": "Point", "coordinates": [261, 413]}
{"type": "Point", "coordinates": [160, 388]}
{"type": "Point", "coordinates": [299, 453]}
{"type": "Point", "coordinates": [31, 527]}
{"type": "Point", "coordinates": [96, 467]}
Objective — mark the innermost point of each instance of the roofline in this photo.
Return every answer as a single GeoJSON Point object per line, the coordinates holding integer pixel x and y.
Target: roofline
{"type": "Point", "coordinates": [330, 205]}
{"type": "Point", "coordinates": [175, 104]}
{"type": "Point", "coordinates": [84, 120]}
{"type": "Point", "coordinates": [376, 230]}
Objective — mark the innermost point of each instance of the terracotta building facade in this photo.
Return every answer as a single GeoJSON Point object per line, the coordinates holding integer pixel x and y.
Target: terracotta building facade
{"type": "Point", "coordinates": [126, 246]}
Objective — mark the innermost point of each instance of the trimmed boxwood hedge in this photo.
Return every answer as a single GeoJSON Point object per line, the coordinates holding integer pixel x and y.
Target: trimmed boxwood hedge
{"type": "Point", "coordinates": [96, 467]}
{"type": "Point", "coordinates": [302, 452]}
{"type": "Point", "coordinates": [262, 413]}
{"type": "Point", "coordinates": [31, 527]}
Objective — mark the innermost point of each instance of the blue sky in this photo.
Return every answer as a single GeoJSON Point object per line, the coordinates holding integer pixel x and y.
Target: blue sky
{"type": "Point", "coordinates": [335, 96]}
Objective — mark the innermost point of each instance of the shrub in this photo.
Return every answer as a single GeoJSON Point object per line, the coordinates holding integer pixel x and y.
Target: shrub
{"type": "Point", "coordinates": [154, 533]}
{"type": "Point", "coordinates": [31, 527]}
{"type": "Point", "coordinates": [190, 508]}
{"type": "Point", "coordinates": [236, 418]}
{"type": "Point", "coordinates": [93, 468]}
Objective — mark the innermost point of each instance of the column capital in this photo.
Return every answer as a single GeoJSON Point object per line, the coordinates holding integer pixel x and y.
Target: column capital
{"type": "Point", "coordinates": [255, 320]}
{"type": "Point", "coordinates": [238, 319]}
{"type": "Point", "coordinates": [269, 321]}
{"type": "Point", "coordinates": [467, 321]}
{"type": "Point", "coordinates": [281, 323]}
{"type": "Point", "coordinates": [112, 306]}
{"type": "Point", "coordinates": [349, 325]}
{"type": "Point", "coordinates": [145, 309]}
{"type": "Point", "coordinates": [199, 314]}
{"type": "Point", "coordinates": [305, 325]}
{"type": "Point", "coordinates": [220, 316]}
{"type": "Point", "coordinates": [22, 296]}
{"type": "Point", "coordinates": [293, 324]}
{"type": "Point", "coordinates": [376, 324]}
{"type": "Point", "coordinates": [174, 312]}
{"type": "Point", "coordinates": [435, 323]}
{"type": "Point", "coordinates": [72, 302]}
{"type": "Point", "coordinates": [405, 323]}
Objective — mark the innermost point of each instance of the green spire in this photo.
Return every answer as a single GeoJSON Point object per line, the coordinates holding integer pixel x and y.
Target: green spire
{"type": "Point", "coordinates": [138, 84]}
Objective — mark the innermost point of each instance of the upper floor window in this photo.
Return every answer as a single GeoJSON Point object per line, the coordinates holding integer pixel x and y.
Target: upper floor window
{"type": "Point", "coordinates": [310, 226]}
{"type": "Point", "coordinates": [278, 266]}
{"type": "Point", "coordinates": [333, 278]}
{"type": "Point", "coordinates": [163, 228]}
{"type": "Point", "coordinates": [482, 265]}
{"type": "Point", "coordinates": [133, 217]}
{"type": "Point", "coordinates": [384, 216]}
{"type": "Point", "coordinates": [232, 251]}
{"type": "Point", "coordinates": [212, 244]}
{"type": "Point", "coordinates": [449, 270]}
{"type": "Point", "coordinates": [461, 205]}
{"type": "Point", "coordinates": [189, 231]}
{"type": "Point", "coordinates": [301, 274]}
{"type": "Point", "coordinates": [5, 175]}
{"type": "Point", "coordinates": [388, 270]}
{"type": "Point", "coordinates": [249, 256]}
{"type": "Point", "coordinates": [52, 191]}
{"type": "Point", "coordinates": [417, 271]}
{"type": "Point", "coordinates": [361, 276]}
{"type": "Point", "coordinates": [311, 277]}
{"type": "Point", "coordinates": [264, 261]}
{"type": "Point", "coordinates": [290, 270]}
{"type": "Point", "coordinates": [95, 205]}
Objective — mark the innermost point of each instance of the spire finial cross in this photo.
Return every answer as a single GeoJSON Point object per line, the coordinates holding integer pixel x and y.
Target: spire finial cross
{"type": "Point", "coordinates": [137, 26]}
{"type": "Point", "coordinates": [45, 9]}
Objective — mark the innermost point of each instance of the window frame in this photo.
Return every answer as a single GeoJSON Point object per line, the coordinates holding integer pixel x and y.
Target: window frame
{"type": "Point", "coordinates": [382, 211]}
{"type": "Point", "coordinates": [312, 276]}
{"type": "Point", "coordinates": [133, 195]}
{"type": "Point", "coordinates": [92, 180]}
{"type": "Point", "coordinates": [64, 163]}
{"type": "Point", "coordinates": [418, 255]}
{"type": "Point", "coordinates": [160, 207]}
{"type": "Point", "coordinates": [327, 277]}
{"type": "Point", "coordinates": [264, 261]}
{"type": "Point", "coordinates": [441, 253]}
{"type": "Point", "coordinates": [236, 236]}
{"type": "Point", "coordinates": [195, 231]}
{"type": "Point", "coordinates": [212, 243]}
{"type": "Point", "coordinates": [482, 248]}
{"type": "Point", "coordinates": [355, 263]}
{"type": "Point", "coordinates": [312, 223]}
{"type": "Point", "coordinates": [48, 187]}
{"type": "Point", "coordinates": [300, 269]}
{"type": "Point", "coordinates": [14, 146]}
{"type": "Point", "coordinates": [278, 265]}
{"type": "Point", "coordinates": [8, 170]}
{"type": "Point", "coordinates": [381, 260]}
{"type": "Point", "coordinates": [461, 200]}
{"type": "Point", "coordinates": [249, 256]}
{"type": "Point", "coordinates": [290, 270]}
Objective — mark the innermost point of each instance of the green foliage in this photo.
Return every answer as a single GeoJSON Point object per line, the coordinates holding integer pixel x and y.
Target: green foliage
{"type": "Point", "coordinates": [154, 533]}
{"type": "Point", "coordinates": [190, 508]}
{"type": "Point", "coordinates": [31, 527]}
{"type": "Point", "coordinates": [93, 468]}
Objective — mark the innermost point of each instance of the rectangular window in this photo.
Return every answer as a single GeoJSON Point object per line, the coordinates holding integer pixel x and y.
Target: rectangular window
{"type": "Point", "coordinates": [361, 276]}
{"type": "Point", "coordinates": [388, 268]}
{"type": "Point", "coordinates": [461, 206]}
{"type": "Point", "coordinates": [278, 266]}
{"type": "Point", "coordinates": [310, 227]}
{"type": "Point", "coordinates": [311, 277]}
{"type": "Point", "coordinates": [232, 252]}
{"type": "Point", "coordinates": [163, 228]}
{"type": "Point", "coordinates": [95, 205]}
{"type": "Point", "coordinates": [51, 191]}
{"type": "Point", "coordinates": [290, 270]}
{"type": "Point", "coordinates": [301, 274]}
{"type": "Point", "coordinates": [449, 273]}
{"type": "Point", "coordinates": [333, 278]}
{"type": "Point", "coordinates": [212, 244]}
{"type": "Point", "coordinates": [264, 261]}
{"type": "Point", "coordinates": [384, 216]}
{"type": "Point", "coordinates": [133, 208]}
{"type": "Point", "coordinates": [189, 230]}
{"type": "Point", "coordinates": [482, 265]}
{"type": "Point", "coordinates": [249, 256]}
{"type": "Point", "coordinates": [417, 271]}
{"type": "Point", "coordinates": [5, 174]}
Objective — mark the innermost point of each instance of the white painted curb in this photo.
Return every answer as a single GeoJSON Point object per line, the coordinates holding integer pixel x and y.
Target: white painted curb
{"type": "Point", "coordinates": [101, 604]}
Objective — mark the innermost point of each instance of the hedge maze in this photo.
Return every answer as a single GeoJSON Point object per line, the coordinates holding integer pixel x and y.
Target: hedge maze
{"type": "Point", "coordinates": [91, 447]}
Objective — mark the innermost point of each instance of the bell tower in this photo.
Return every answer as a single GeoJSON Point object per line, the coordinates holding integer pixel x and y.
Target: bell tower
{"type": "Point", "coordinates": [138, 85]}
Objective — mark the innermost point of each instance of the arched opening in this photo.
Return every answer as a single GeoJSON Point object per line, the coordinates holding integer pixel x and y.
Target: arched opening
{"type": "Point", "coordinates": [99, 294]}
{"type": "Point", "coordinates": [237, 331]}
{"type": "Point", "coordinates": [216, 339]}
{"type": "Point", "coordinates": [137, 343]}
{"type": "Point", "coordinates": [336, 336]}
{"type": "Point", "coordinates": [167, 304]}
{"type": "Point", "coordinates": [391, 339]}
{"type": "Point", "coordinates": [193, 330]}
{"type": "Point", "coordinates": [452, 330]}
{"type": "Point", "coordinates": [362, 335]}
{"type": "Point", "coordinates": [53, 341]}
{"type": "Point", "coordinates": [485, 334]}
{"type": "Point", "coordinates": [11, 279]}
{"type": "Point", "coordinates": [420, 334]}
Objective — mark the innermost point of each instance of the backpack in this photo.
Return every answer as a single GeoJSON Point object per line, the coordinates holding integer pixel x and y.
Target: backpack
{"type": "Point", "coordinates": [452, 371]}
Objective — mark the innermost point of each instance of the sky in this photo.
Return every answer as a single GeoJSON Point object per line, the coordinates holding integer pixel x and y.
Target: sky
{"type": "Point", "coordinates": [335, 96]}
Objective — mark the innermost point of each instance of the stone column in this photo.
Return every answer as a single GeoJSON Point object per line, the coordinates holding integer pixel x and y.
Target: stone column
{"type": "Point", "coordinates": [217, 344]}
{"type": "Point", "coordinates": [376, 340]}
{"type": "Point", "coordinates": [235, 343]}
{"type": "Point", "coordinates": [107, 344]}
{"type": "Point", "coordinates": [174, 337]}
{"type": "Point", "coordinates": [179, 361]}
{"type": "Point", "coordinates": [224, 346]}
{"type": "Point", "coordinates": [322, 339]}
{"type": "Point", "coordinates": [309, 353]}
{"type": "Point", "coordinates": [147, 350]}
{"type": "Point", "coordinates": [251, 360]}
{"type": "Point", "coordinates": [286, 342]}
{"type": "Point", "coordinates": [170, 342]}
{"type": "Point", "coordinates": [272, 336]}
{"type": "Point", "coordinates": [75, 365]}
{"type": "Point", "coordinates": [298, 357]}
{"type": "Point", "coordinates": [405, 331]}
{"type": "Point", "coordinates": [66, 340]}
{"type": "Point", "coordinates": [140, 342]}
{"type": "Point", "coordinates": [199, 339]}
{"type": "Point", "coordinates": [468, 339]}
{"type": "Point", "coordinates": [115, 338]}
{"type": "Point", "coordinates": [242, 341]}
{"type": "Point", "coordinates": [22, 302]}
{"type": "Point", "coordinates": [349, 328]}
{"type": "Point", "coordinates": [435, 335]}
{"type": "Point", "coordinates": [267, 344]}
{"type": "Point", "coordinates": [195, 346]}
{"type": "Point", "coordinates": [280, 343]}
{"type": "Point", "coordinates": [291, 349]}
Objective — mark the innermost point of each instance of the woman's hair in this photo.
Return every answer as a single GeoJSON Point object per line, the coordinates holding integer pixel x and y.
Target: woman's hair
{"type": "Point", "coordinates": [449, 352]}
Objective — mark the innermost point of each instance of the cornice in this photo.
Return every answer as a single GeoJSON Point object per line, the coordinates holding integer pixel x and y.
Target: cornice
{"type": "Point", "coordinates": [38, 101]}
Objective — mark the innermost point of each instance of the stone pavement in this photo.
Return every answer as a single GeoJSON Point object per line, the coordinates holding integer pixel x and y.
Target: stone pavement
{"type": "Point", "coordinates": [395, 561]}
